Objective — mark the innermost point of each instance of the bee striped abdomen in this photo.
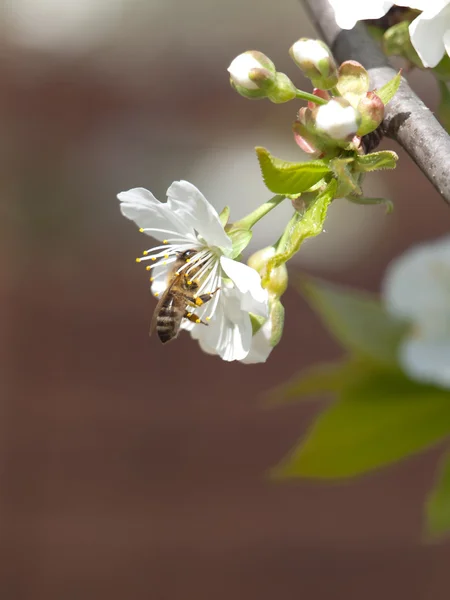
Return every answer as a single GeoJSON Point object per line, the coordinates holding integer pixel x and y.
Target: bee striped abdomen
{"type": "Point", "coordinates": [169, 319]}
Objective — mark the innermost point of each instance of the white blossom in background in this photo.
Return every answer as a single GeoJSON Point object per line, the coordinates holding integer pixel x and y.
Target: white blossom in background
{"type": "Point", "coordinates": [430, 31]}
{"type": "Point", "coordinates": [187, 221]}
{"type": "Point", "coordinates": [417, 288]}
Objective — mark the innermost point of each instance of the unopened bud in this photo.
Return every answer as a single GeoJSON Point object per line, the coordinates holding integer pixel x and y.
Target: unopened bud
{"type": "Point", "coordinates": [316, 61]}
{"type": "Point", "coordinates": [278, 280]}
{"type": "Point", "coordinates": [353, 81]}
{"type": "Point", "coordinates": [252, 74]}
{"type": "Point", "coordinates": [371, 109]}
{"type": "Point", "coordinates": [337, 120]}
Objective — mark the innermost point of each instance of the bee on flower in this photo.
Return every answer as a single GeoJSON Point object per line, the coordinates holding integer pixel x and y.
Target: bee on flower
{"type": "Point", "coordinates": [223, 292]}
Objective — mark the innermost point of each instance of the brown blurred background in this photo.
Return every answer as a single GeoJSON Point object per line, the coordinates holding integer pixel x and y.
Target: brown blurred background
{"type": "Point", "coordinates": [129, 470]}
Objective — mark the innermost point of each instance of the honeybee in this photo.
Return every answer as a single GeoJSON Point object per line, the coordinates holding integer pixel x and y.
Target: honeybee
{"type": "Point", "coordinates": [173, 306]}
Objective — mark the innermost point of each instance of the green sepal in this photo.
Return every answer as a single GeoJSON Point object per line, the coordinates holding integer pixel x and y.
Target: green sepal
{"type": "Point", "coordinates": [224, 216]}
{"type": "Point", "coordinates": [380, 417]}
{"type": "Point", "coordinates": [353, 82]}
{"type": "Point", "coordinates": [437, 508]}
{"type": "Point", "coordinates": [442, 69]}
{"type": "Point", "coordinates": [364, 201]}
{"type": "Point", "coordinates": [385, 159]}
{"type": "Point", "coordinates": [389, 89]}
{"type": "Point", "coordinates": [240, 239]}
{"type": "Point", "coordinates": [257, 322]}
{"type": "Point", "coordinates": [277, 317]}
{"type": "Point", "coordinates": [358, 320]}
{"type": "Point", "coordinates": [397, 42]}
{"type": "Point", "coordinates": [283, 177]}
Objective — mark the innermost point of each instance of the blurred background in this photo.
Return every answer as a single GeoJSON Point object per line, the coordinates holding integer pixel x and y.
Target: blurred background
{"type": "Point", "coordinates": [132, 470]}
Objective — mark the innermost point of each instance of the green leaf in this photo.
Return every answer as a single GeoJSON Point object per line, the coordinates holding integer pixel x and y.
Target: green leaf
{"type": "Point", "coordinates": [301, 226]}
{"type": "Point", "coordinates": [389, 89]}
{"type": "Point", "coordinates": [385, 159]}
{"type": "Point", "coordinates": [282, 177]}
{"type": "Point", "coordinates": [240, 239]}
{"type": "Point", "coordinates": [381, 417]}
{"type": "Point", "coordinates": [356, 319]}
{"type": "Point", "coordinates": [437, 509]}
{"type": "Point", "coordinates": [348, 181]}
{"type": "Point", "coordinates": [367, 201]}
{"type": "Point", "coordinates": [443, 110]}
{"type": "Point", "coordinates": [318, 379]}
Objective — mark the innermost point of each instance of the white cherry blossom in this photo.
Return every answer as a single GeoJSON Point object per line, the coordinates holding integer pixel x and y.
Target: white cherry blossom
{"type": "Point", "coordinates": [417, 288]}
{"type": "Point", "coordinates": [188, 222]}
{"type": "Point", "coordinates": [429, 32]}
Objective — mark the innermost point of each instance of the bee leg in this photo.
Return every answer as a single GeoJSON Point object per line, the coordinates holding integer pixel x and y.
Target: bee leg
{"type": "Point", "coordinates": [199, 300]}
{"type": "Point", "coordinates": [193, 317]}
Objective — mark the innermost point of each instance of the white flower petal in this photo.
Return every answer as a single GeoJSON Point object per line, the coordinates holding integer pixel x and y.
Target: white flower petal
{"type": "Point", "coordinates": [427, 360]}
{"type": "Point", "coordinates": [160, 275]}
{"type": "Point", "coordinates": [349, 12]}
{"type": "Point", "coordinates": [240, 68]}
{"type": "Point", "coordinates": [260, 348]}
{"type": "Point", "coordinates": [427, 32]}
{"type": "Point", "coordinates": [417, 284]}
{"type": "Point", "coordinates": [140, 205]}
{"type": "Point", "coordinates": [193, 208]}
{"type": "Point", "coordinates": [254, 297]}
{"type": "Point", "coordinates": [229, 332]}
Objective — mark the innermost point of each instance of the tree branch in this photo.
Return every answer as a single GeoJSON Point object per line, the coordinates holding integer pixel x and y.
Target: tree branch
{"type": "Point", "coordinates": [407, 119]}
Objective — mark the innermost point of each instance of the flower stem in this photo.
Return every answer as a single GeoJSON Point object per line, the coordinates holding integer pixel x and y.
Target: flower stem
{"type": "Point", "coordinates": [310, 97]}
{"type": "Point", "coordinates": [335, 92]}
{"type": "Point", "coordinates": [248, 221]}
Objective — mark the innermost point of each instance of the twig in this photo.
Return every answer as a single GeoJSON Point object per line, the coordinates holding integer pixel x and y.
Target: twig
{"type": "Point", "coordinates": [407, 119]}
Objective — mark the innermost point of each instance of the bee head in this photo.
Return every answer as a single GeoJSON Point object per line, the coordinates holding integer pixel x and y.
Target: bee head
{"type": "Point", "coordinates": [187, 254]}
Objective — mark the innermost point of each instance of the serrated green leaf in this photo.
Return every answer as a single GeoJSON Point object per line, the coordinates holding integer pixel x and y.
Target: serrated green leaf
{"type": "Point", "coordinates": [389, 89]}
{"type": "Point", "coordinates": [356, 319]}
{"type": "Point", "coordinates": [380, 418]}
{"type": "Point", "coordinates": [437, 508]}
{"type": "Point", "coordinates": [301, 226]}
{"type": "Point", "coordinates": [282, 177]}
{"type": "Point", "coordinates": [348, 182]}
{"type": "Point", "coordinates": [385, 159]}
{"type": "Point", "coordinates": [318, 379]}
{"type": "Point", "coordinates": [364, 201]}
{"type": "Point", "coordinates": [240, 239]}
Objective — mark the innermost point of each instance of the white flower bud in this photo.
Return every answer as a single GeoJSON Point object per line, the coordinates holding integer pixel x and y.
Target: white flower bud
{"type": "Point", "coordinates": [337, 119]}
{"type": "Point", "coordinates": [251, 72]}
{"type": "Point", "coordinates": [314, 58]}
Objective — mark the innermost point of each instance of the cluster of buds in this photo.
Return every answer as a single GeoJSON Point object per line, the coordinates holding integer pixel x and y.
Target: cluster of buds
{"type": "Point", "coordinates": [341, 109]}
{"type": "Point", "coordinates": [351, 112]}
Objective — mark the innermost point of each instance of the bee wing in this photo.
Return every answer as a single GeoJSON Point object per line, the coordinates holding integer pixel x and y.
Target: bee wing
{"type": "Point", "coordinates": [160, 303]}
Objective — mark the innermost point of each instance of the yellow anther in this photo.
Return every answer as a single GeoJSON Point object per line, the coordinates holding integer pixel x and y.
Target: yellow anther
{"type": "Point", "coordinates": [189, 315]}
{"type": "Point", "coordinates": [189, 282]}
{"type": "Point", "coordinates": [153, 258]}
{"type": "Point", "coordinates": [145, 252]}
{"type": "Point", "coordinates": [208, 318]}
{"type": "Point", "coordinates": [198, 320]}
{"type": "Point", "coordinates": [141, 230]}
{"type": "Point", "coordinates": [138, 260]}
{"type": "Point", "coordinates": [147, 268]}
{"type": "Point", "coordinates": [152, 279]}
{"type": "Point", "coordinates": [166, 256]}
{"type": "Point", "coordinates": [198, 301]}
{"type": "Point", "coordinates": [165, 242]}
{"type": "Point", "coordinates": [156, 294]}
{"type": "Point", "coordinates": [188, 260]}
